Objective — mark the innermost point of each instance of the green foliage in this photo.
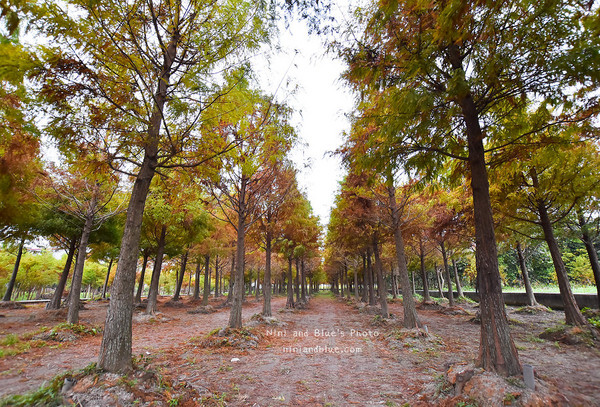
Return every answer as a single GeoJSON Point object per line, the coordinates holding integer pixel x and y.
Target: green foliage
{"type": "Point", "coordinates": [48, 395]}
{"type": "Point", "coordinates": [78, 329]}
{"type": "Point", "coordinates": [93, 274]}
{"type": "Point", "coordinates": [36, 270]}
{"type": "Point", "coordinates": [578, 267]}
{"type": "Point", "coordinates": [9, 340]}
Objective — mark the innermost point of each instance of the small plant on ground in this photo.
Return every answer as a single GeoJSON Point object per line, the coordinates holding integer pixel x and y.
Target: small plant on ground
{"type": "Point", "coordinates": [12, 345]}
{"type": "Point", "coordinates": [442, 385]}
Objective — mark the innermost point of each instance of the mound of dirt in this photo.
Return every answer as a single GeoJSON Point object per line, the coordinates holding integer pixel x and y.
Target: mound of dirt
{"type": "Point", "coordinates": [175, 304]}
{"type": "Point", "coordinates": [11, 305]}
{"type": "Point", "coordinates": [244, 338]}
{"type": "Point", "coordinates": [203, 309]}
{"type": "Point", "coordinates": [142, 387]}
{"type": "Point", "coordinates": [569, 335]}
{"type": "Point", "coordinates": [463, 383]}
{"type": "Point", "coordinates": [454, 311]}
{"type": "Point", "coordinates": [532, 309]}
{"type": "Point", "coordinates": [416, 340]}
{"type": "Point", "coordinates": [429, 305]}
{"type": "Point", "coordinates": [259, 319]}
{"type": "Point", "coordinates": [150, 318]}
{"type": "Point", "coordinates": [58, 336]}
{"type": "Point", "coordinates": [67, 333]}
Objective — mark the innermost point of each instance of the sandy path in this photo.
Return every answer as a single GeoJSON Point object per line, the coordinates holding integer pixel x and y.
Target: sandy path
{"type": "Point", "coordinates": [326, 355]}
{"type": "Point", "coordinates": [30, 370]}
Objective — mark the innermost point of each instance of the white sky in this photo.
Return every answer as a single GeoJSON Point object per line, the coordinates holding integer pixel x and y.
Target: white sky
{"type": "Point", "coordinates": [322, 102]}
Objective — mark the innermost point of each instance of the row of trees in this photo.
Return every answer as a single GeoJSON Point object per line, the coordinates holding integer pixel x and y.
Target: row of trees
{"type": "Point", "coordinates": [161, 138]}
{"type": "Point", "coordinates": [495, 98]}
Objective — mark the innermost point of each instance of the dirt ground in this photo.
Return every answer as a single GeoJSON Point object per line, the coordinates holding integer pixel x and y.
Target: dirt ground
{"type": "Point", "coordinates": [333, 353]}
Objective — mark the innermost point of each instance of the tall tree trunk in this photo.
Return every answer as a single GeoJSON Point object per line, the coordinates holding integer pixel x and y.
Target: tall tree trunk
{"type": "Point", "coordinates": [105, 286]}
{"type": "Point", "coordinates": [115, 351]}
{"type": "Point", "coordinates": [341, 278]}
{"type": "Point", "coordinates": [395, 283]}
{"type": "Point", "coordinates": [497, 351]}
{"type": "Point", "coordinates": [217, 275]}
{"type": "Point", "coordinates": [411, 318]}
{"type": "Point", "coordinates": [457, 280]}
{"type": "Point", "coordinates": [355, 283]}
{"type": "Point", "coordinates": [13, 277]}
{"type": "Point", "coordinates": [231, 281]}
{"type": "Point", "coordinates": [573, 315]}
{"type": "Point", "coordinates": [370, 281]}
{"type": "Point", "coordinates": [197, 279]}
{"type": "Point", "coordinates": [365, 293]}
{"type": "Point", "coordinates": [206, 289]}
{"type": "Point", "coordinates": [591, 251]}
{"type": "Point", "coordinates": [297, 280]}
{"type": "Point", "coordinates": [267, 278]}
{"type": "Point", "coordinates": [189, 286]}
{"type": "Point", "coordinates": [235, 315]}
{"type": "Point", "coordinates": [73, 313]}
{"type": "Point", "coordinates": [380, 278]}
{"type": "Point", "coordinates": [290, 290]}
{"type": "Point", "coordinates": [140, 289]}
{"type": "Point", "coordinates": [155, 282]}
{"type": "Point", "coordinates": [184, 260]}
{"type": "Point", "coordinates": [440, 282]}
{"type": "Point", "coordinates": [60, 288]}
{"type": "Point", "coordinates": [447, 271]}
{"type": "Point", "coordinates": [426, 295]}
{"type": "Point", "coordinates": [530, 296]}
{"type": "Point", "coordinates": [303, 281]}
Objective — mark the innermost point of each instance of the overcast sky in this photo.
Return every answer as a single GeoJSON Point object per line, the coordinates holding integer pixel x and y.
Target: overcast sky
{"type": "Point", "coordinates": [321, 102]}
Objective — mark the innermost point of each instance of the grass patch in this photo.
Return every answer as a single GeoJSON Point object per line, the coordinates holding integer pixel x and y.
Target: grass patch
{"type": "Point", "coordinates": [12, 344]}
{"type": "Point", "coordinates": [47, 395]}
{"type": "Point", "coordinates": [548, 288]}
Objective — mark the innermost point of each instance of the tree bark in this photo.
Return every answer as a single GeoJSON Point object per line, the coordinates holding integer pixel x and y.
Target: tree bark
{"type": "Point", "coordinates": [573, 315]}
{"type": "Point", "coordinates": [290, 290]}
{"type": "Point", "coordinates": [302, 281]}
{"type": "Point", "coordinates": [115, 351]}
{"type": "Point", "coordinates": [591, 251]}
{"type": "Point", "coordinates": [217, 275]}
{"type": "Point", "coordinates": [411, 318]}
{"type": "Point", "coordinates": [267, 278]}
{"type": "Point", "coordinates": [197, 280]}
{"type": "Point", "coordinates": [235, 315]}
{"type": "Point", "coordinates": [448, 277]}
{"type": "Point", "coordinates": [380, 278]}
{"type": "Point", "coordinates": [297, 280]}
{"type": "Point", "coordinates": [440, 282]}
{"type": "Point", "coordinates": [206, 288]}
{"type": "Point", "coordinates": [73, 313]}
{"type": "Point", "coordinates": [426, 295]}
{"type": "Point", "coordinates": [13, 277]}
{"type": "Point", "coordinates": [355, 283]}
{"type": "Point", "coordinates": [140, 289]}
{"type": "Point", "coordinates": [497, 351]}
{"type": "Point", "coordinates": [365, 293]}
{"type": "Point", "coordinates": [155, 281]}
{"type": "Point", "coordinates": [457, 280]}
{"type": "Point", "coordinates": [105, 286]}
{"type": "Point", "coordinates": [370, 281]}
{"type": "Point", "coordinates": [184, 260]}
{"type": "Point", "coordinates": [530, 296]}
{"type": "Point", "coordinates": [60, 288]}
{"type": "Point", "coordinates": [231, 281]}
